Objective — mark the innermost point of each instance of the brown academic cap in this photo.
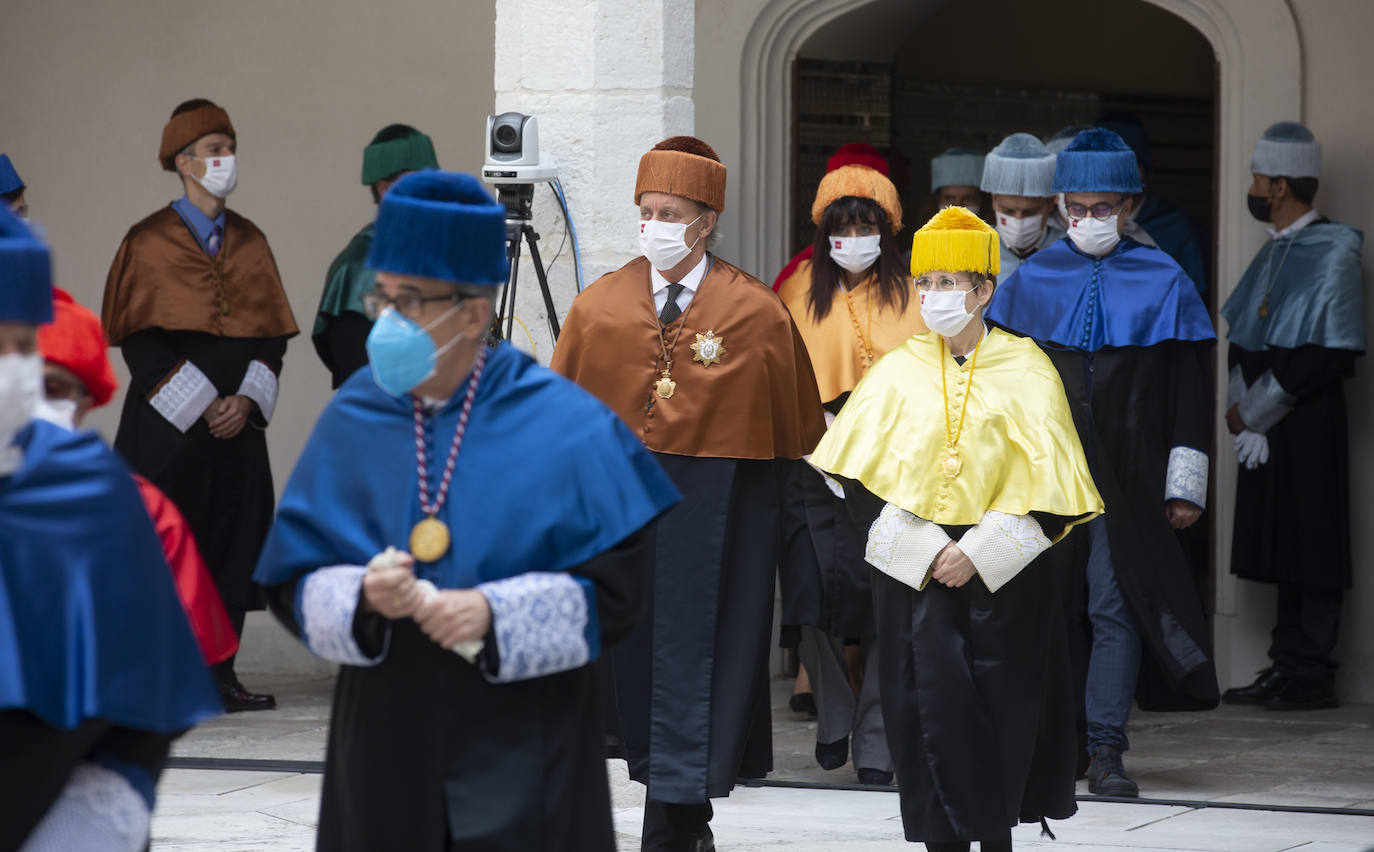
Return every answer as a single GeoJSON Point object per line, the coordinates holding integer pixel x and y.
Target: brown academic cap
{"type": "Point", "coordinates": [685, 166]}
{"type": "Point", "coordinates": [190, 121]}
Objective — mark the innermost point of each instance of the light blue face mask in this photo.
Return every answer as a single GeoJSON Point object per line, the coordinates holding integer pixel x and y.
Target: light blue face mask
{"type": "Point", "coordinates": [401, 352]}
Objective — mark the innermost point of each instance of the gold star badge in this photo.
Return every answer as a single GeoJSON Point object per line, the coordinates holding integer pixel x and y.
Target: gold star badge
{"type": "Point", "coordinates": [708, 349]}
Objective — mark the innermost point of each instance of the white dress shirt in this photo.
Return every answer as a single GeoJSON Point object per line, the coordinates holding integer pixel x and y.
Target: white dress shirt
{"type": "Point", "coordinates": [690, 282]}
{"type": "Point", "coordinates": [1298, 224]}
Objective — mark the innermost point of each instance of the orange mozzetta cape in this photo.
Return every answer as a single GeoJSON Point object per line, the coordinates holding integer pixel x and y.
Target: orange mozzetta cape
{"type": "Point", "coordinates": [835, 343]}
{"type": "Point", "coordinates": [759, 402]}
{"type": "Point", "coordinates": [162, 279]}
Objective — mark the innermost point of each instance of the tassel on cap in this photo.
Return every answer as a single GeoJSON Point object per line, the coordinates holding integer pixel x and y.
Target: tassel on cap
{"type": "Point", "coordinates": [955, 240]}
{"type": "Point", "coordinates": [1097, 160]}
{"type": "Point", "coordinates": [860, 182]}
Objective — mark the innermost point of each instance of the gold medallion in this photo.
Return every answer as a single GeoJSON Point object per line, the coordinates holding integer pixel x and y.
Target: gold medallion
{"type": "Point", "coordinates": [665, 386]}
{"type": "Point", "coordinates": [708, 349]}
{"type": "Point", "coordinates": [429, 540]}
{"type": "Point", "coordinates": [224, 307]}
{"type": "Point", "coordinates": [1264, 308]}
{"type": "Point", "coordinates": [951, 464]}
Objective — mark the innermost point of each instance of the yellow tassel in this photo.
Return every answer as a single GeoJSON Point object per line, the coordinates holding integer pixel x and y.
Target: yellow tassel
{"type": "Point", "coordinates": [955, 240]}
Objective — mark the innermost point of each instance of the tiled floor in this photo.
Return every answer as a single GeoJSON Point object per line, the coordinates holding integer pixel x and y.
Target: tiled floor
{"type": "Point", "coordinates": [1317, 759]}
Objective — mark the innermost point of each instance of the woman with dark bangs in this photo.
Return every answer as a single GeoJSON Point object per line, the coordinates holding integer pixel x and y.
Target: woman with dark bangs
{"type": "Point", "coordinates": [852, 303]}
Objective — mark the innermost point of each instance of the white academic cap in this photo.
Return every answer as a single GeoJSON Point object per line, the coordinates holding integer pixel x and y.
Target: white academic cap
{"type": "Point", "coordinates": [1287, 149]}
{"type": "Point", "coordinates": [956, 167]}
{"type": "Point", "coordinates": [1019, 165]}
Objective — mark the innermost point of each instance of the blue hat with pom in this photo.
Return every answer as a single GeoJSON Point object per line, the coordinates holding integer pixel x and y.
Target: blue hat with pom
{"type": "Point", "coordinates": [9, 178]}
{"type": "Point", "coordinates": [25, 273]}
{"type": "Point", "coordinates": [1097, 160]}
{"type": "Point", "coordinates": [1019, 165]}
{"type": "Point", "coordinates": [1287, 149]}
{"type": "Point", "coordinates": [443, 225]}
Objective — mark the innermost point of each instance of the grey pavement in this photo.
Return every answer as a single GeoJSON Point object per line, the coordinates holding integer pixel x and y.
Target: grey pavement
{"type": "Point", "coordinates": [1321, 759]}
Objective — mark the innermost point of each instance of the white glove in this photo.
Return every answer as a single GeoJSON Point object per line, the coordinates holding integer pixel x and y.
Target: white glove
{"type": "Point", "coordinates": [1253, 449]}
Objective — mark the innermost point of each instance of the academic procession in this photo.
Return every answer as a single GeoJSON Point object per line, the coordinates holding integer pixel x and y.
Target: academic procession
{"type": "Point", "coordinates": [980, 444]}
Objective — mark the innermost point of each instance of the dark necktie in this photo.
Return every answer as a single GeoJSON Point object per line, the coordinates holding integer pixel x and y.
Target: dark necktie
{"type": "Point", "coordinates": [670, 310]}
{"type": "Point", "coordinates": [213, 243]}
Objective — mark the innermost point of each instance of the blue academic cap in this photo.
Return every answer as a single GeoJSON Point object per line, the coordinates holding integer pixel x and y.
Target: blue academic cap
{"type": "Point", "coordinates": [444, 225]}
{"type": "Point", "coordinates": [1097, 160]}
{"type": "Point", "coordinates": [9, 178]}
{"type": "Point", "coordinates": [25, 273]}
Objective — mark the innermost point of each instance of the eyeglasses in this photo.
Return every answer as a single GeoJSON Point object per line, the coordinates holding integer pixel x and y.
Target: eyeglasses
{"type": "Point", "coordinates": [1100, 211]}
{"type": "Point", "coordinates": [408, 305]}
{"type": "Point", "coordinates": [944, 282]}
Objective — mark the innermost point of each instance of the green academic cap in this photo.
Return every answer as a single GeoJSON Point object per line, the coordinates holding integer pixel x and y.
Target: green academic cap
{"type": "Point", "coordinates": [397, 148]}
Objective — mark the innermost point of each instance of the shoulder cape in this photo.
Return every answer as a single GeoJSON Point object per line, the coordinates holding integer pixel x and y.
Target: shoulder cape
{"type": "Point", "coordinates": [90, 623]}
{"type": "Point", "coordinates": [1173, 232]}
{"type": "Point", "coordinates": [1135, 296]}
{"type": "Point", "coordinates": [1316, 296]}
{"type": "Point", "coordinates": [546, 479]}
{"type": "Point", "coordinates": [160, 278]}
{"type": "Point", "coordinates": [791, 267]}
{"type": "Point", "coordinates": [1019, 448]}
{"type": "Point", "coordinates": [759, 401]}
{"type": "Point", "coordinates": [834, 343]}
{"type": "Point", "coordinates": [348, 279]}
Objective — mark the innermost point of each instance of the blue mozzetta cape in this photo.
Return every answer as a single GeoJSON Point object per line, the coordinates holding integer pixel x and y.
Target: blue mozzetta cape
{"type": "Point", "coordinates": [547, 478]}
{"type": "Point", "coordinates": [1135, 296]}
{"type": "Point", "coordinates": [1316, 296]}
{"type": "Point", "coordinates": [90, 622]}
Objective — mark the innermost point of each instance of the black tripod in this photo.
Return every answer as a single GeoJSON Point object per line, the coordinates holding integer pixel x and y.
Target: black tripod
{"type": "Point", "coordinates": [519, 201]}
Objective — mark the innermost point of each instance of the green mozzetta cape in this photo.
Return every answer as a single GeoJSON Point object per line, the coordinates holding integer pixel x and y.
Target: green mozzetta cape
{"type": "Point", "coordinates": [347, 281]}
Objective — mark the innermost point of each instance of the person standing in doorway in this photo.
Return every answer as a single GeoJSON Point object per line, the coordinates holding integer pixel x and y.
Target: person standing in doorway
{"type": "Point", "coordinates": [955, 177]}
{"type": "Point", "coordinates": [194, 302]}
{"type": "Point", "coordinates": [1018, 174]}
{"type": "Point", "coordinates": [1296, 326]}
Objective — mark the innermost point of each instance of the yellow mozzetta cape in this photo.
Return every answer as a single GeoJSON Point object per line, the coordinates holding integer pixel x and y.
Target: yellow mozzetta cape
{"type": "Point", "coordinates": [1019, 448]}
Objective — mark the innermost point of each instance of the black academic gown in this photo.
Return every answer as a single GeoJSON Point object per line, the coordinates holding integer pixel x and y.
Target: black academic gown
{"type": "Point", "coordinates": [222, 487]}
{"type": "Point", "coordinates": [1293, 512]}
{"type": "Point", "coordinates": [976, 694]}
{"type": "Point", "coordinates": [692, 693]}
{"type": "Point", "coordinates": [1131, 406]}
{"type": "Point", "coordinates": [474, 766]}
{"type": "Point", "coordinates": [342, 344]}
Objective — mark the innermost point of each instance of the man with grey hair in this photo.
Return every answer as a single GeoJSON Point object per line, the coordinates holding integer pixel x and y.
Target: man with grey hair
{"type": "Point", "coordinates": [1296, 327]}
{"type": "Point", "coordinates": [1018, 174]}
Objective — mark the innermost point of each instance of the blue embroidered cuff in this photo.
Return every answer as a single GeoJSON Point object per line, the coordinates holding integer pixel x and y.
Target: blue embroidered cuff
{"type": "Point", "coordinates": [1186, 478]}
{"type": "Point", "coordinates": [1265, 404]}
{"type": "Point", "coordinates": [544, 623]}
{"type": "Point", "coordinates": [326, 603]}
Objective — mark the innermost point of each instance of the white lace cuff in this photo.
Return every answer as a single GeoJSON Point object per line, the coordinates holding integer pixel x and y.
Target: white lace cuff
{"type": "Point", "coordinates": [1265, 404]}
{"type": "Point", "coordinates": [183, 396]}
{"type": "Point", "coordinates": [98, 809]}
{"type": "Point", "coordinates": [260, 385]}
{"type": "Point", "coordinates": [1186, 478]}
{"type": "Point", "coordinates": [544, 623]}
{"type": "Point", "coordinates": [904, 546]}
{"type": "Point", "coordinates": [1235, 387]}
{"type": "Point", "coordinates": [1001, 545]}
{"type": "Point", "coordinates": [326, 605]}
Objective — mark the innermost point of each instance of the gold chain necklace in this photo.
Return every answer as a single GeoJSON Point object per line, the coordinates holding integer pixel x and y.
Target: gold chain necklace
{"type": "Point", "coordinates": [950, 463]}
{"type": "Point", "coordinates": [1269, 279]}
{"type": "Point", "coordinates": [865, 346]}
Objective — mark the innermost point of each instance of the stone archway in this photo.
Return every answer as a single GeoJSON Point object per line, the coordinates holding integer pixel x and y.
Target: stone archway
{"type": "Point", "coordinates": [1259, 53]}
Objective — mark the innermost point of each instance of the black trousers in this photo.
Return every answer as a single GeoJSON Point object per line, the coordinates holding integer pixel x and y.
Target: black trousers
{"type": "Point", "coordinates": [1305, 632]}
{"type": "Point", "coordinates": [38, 759]}
{"type": "Point", "coordinates": [672, 828]}
{"type": "Point", "coordinates": [224, 670]}
{"type": "Point", "coordinates": [963, 846]}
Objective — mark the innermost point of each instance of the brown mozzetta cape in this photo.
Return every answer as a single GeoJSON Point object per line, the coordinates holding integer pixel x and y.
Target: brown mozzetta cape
{"type": "Point", "coordinates": [836, 342]}
{"type": "Point", "coordinates": [759, 402]}
{"type": "Point", "coordinates": [161, 278]}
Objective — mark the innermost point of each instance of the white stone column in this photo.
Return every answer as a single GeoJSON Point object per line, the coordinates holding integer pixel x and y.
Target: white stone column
{"type": "Point", "coordinates": [606, 81]}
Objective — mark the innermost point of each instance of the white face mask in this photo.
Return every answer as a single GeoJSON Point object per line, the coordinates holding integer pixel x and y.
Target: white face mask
{"type": "Point", "coordinates": [221, 175]}
{"type": "Point", "coordinates": [1096, 237]}
{"type": "Point", "coordinates": [21, 389]}
{"type": "Point", "coordinates": [58, 412]}
{"type": "Point", "coordinates": [855, 254]}
{"type": "Point", "coordinates": [665, 243]}
{"type": "Point", "coordinates": [1020, 234]}
{"type": "Point", "coordinates": [944, 311]}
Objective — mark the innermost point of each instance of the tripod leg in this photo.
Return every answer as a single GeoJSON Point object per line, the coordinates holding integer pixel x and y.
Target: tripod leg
{"type": "Point", "coordinates": [532, 238]}
{"type": "Point", "coordinates": [508, 300]}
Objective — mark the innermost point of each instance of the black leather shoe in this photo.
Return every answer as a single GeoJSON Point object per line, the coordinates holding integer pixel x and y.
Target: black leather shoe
{"type": "Point", "coordinates": [1107, 776]}
{"type": "Point", "coordinates": [237, 699]}
{"type": "Point", "coordinates": [804, 703]}
{"type": "Point", "coordinates": [1266, 686]}
{"type": "Point", "coordinates": [875, 777]}
{"type": "Point", "coordinates": [1299, 693]}
{"type": "Point", "coordinates": [704, 842]}
{"type": "Point", "coordinates": [833, 755]}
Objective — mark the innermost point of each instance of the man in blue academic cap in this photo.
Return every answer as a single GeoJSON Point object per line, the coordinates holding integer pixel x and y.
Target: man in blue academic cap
{"type": "Point", "coordinates": [12, 189]}
{"type": "Point", "coordinates": [1131, 339]}
{"type": "Point", "coordinates": [99, 671]}
{"type": "Point", "coordinates": [464, 533]}
{"type": "Point", "coordinates": [1296, 327]}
